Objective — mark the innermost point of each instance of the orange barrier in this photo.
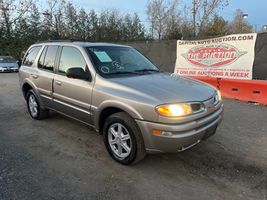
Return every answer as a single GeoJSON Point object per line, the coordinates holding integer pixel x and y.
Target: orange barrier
{"type": "Point", "coordinates": [244, 90]}
{"type": "Point", "coordinates": [212, 81]}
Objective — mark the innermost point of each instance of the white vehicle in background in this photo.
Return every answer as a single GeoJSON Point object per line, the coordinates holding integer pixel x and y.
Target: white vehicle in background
{"type": "Point", "coordinates": [8, 64]}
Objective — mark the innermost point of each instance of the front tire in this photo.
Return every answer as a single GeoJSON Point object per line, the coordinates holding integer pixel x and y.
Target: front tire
{"type": "Point", "coordinates": [123, 139]}
{"type": "Point", "coordinates": [33, 105]}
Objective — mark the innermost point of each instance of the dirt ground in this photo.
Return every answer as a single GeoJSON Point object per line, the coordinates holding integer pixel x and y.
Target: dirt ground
{"type": "Point", "coordinates": [59, 158]}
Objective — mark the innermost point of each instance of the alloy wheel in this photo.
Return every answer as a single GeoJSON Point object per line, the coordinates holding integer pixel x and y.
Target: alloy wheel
{"type": "Point", "coordinates": [119, 140]}
{"type": "Point", "coordinates": [33, 105]}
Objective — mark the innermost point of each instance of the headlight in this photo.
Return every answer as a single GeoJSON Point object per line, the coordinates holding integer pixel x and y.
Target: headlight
{"type": "Point", "coordinates": [174, 110]}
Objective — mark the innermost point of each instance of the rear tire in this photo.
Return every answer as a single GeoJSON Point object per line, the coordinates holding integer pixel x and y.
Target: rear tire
{"type": "Point", "coordinates": [123, 139]}
{"type": "Point", "coordinates": [33, 105]}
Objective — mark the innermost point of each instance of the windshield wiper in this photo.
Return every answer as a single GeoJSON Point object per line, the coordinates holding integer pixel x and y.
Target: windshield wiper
{"type": "Point", "coordinates": [147, 70]}
{"type": "Point", "coordinates": [134, 72]}
{"type": "Point", "coordinates": [122, 72]}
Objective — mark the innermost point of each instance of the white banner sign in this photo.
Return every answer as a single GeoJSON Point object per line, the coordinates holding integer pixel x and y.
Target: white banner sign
{"type": "Point", "coordinates": [230, 56]}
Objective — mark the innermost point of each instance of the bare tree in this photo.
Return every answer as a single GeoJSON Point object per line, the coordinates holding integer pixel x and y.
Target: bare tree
{"type": "Point", "coordinates": [239, 24]}
{"type": "Point", "coordinates": [217, 27]}
{"type": "Point", "coordinates": [186, 27]}
{"type": "Point", "coordinates": [161, 15]}
{"type": "Point", "coordinates": [173, 23]}
{"type": "Point", "coordinates": [12, 11]}
{"type": "Point", "coordinates": [205, 11]}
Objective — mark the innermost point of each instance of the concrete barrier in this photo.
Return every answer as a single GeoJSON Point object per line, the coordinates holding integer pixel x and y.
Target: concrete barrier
{"type": "Point", "coordinates": [161, 53]}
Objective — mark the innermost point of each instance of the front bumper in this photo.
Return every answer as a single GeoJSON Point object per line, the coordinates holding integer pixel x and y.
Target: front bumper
{"type": "Point", "coordinates": [183, 136]}
{"type": "Point", "coordinates": [6, 69]}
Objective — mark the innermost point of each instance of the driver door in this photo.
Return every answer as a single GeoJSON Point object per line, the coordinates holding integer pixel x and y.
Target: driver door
{"type": "Point", "coordinates": [72, 97]}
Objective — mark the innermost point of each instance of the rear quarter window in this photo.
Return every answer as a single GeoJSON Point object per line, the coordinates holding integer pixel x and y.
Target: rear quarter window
{"type": "Point", "coordinates": [31, 56]}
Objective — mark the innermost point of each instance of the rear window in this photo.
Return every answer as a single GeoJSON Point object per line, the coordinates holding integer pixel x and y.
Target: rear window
{"type": "Point", "coordinates": [7, 60]}
{"type": "Point", "coordinates": [31, 56]}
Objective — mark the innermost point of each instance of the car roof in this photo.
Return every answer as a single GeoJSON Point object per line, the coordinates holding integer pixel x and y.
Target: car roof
{"type": "Point", "coordinates": [79, 43]}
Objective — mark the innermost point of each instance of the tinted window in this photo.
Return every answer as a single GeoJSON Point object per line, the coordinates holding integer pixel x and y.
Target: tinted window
{"type": "Point", "coordinates": [47, 59]}
{"type": "Point", "coordinates": [31, 55]}
{"type": "Point", "coordinates": [71, 57]}
{"type": "Point", "coordinates": [42, 57]}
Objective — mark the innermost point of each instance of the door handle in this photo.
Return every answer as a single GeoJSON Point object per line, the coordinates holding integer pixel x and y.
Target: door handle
{"type": "Point", "coordinates": [35, 76]}
{"type": "Point", "coordinates": [58, 83]}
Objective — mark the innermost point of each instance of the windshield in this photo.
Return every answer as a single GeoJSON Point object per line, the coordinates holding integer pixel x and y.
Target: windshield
{"type": "Point", "coordinates": [7, 60]}
{"type": "Point", "coordinates": [114, 60]}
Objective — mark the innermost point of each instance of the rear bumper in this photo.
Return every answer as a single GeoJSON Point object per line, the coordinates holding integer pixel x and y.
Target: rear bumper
{"type": "Point", "coordinates": [179, 137]}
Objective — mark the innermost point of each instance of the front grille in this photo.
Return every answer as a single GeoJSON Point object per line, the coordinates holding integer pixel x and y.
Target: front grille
{"type": "Point", "coordinates": [205, 121]}
{"type": "Point", "coordinates": [196, 107]}
{"type": "Point", "coordinates": [7, 67]}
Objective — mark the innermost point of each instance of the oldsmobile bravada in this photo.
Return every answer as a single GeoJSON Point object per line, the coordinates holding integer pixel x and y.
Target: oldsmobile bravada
{"type": "Point", "coordinates": [122, 95]}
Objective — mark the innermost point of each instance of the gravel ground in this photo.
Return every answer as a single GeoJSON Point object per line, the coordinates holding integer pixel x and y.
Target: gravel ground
{"type": "Point", "coordinates": [59, 158]}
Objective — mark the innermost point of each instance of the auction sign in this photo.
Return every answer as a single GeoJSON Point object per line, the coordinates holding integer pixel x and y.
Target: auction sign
{"type": "Point", "coordinates": [231, 56]}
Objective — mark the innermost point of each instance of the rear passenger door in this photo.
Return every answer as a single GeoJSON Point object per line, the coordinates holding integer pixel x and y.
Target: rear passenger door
{"type": "Point", "coordinates": [72, 96]}
{"type": "Point", "coordinates": [28, 68]}
{"type": "Point", "coordinates": [46, 73]}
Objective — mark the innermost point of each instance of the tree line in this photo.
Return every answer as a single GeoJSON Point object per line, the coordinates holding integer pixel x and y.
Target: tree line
{"type": "Point", "coordinates": [23, 22]}
{"type": "Point", "coordinates": [22, 27]}
{"type": "Point", "coordinates": [172, 19]}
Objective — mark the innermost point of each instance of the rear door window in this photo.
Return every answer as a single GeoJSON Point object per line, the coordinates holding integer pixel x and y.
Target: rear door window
{"type": "Point", "coordinates": [48, 57]}
{"type": "Point", "coordinates": [31, 56]}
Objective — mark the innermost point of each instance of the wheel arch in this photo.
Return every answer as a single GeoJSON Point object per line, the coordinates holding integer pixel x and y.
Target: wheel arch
{"type": "Point", "coordinates": [26, 86]}
{"type": "Point", "coordinates": [109, 108]}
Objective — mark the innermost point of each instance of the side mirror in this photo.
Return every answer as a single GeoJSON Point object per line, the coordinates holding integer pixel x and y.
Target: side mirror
{"type": "Point", "coordinates": [79, 73]}
{"type": "Point", "coordinates": [19, 63]}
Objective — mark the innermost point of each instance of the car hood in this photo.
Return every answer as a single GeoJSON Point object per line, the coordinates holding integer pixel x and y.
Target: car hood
{"type": "Point", "coordinates": [8, 65]}
{"type": "Point", "coordinates": [166, 88]}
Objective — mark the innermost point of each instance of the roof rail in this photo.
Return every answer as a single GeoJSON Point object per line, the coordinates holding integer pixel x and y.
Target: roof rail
{"type": "Point", "coordinates": [68, 40]}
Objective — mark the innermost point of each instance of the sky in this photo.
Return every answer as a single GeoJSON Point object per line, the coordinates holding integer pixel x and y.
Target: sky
{"type": "Point", "coordinates": [256, 9]}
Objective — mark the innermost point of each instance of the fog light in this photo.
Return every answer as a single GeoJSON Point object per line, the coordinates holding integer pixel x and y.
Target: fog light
{"type": "Point", "coordinates": [159, 132]}
{"type": "Point", "coordinates": [166, 133]}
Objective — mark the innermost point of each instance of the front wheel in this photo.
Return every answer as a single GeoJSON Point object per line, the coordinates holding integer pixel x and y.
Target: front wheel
{"type": "Point", "coordinates": [123, 139]}
{"type": "Point", "coordinates": [34, 108]}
